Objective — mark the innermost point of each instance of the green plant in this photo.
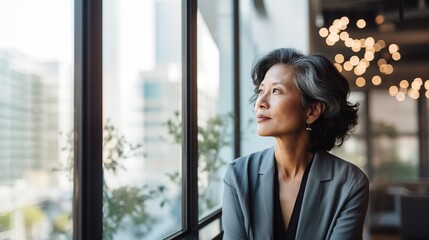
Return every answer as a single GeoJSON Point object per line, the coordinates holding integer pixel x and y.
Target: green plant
{"type": "Point", "coordinates": [124, 202]}
{"type": "Point", "coordinates": [33, 216]}
{"type": "Point", "coordinates": [211, 139]}
{"type": "Point", "coordinates": [5, 221]}
{"type": "Point", "coordinates": [61, 223]}
{"type": "Point", "coordinates": [391, 166]}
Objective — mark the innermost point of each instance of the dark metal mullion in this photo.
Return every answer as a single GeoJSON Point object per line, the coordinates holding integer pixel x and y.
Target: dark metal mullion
{"type": "Point", "coordinates": [237, 108]}
{"type": "Point", "coordinates": [189, 118]}
{"type": "Point", "coordinates": [369, 135]}
{"type": "Point", "coordinates": [88, 125]}
{"type": "Point", "coordinates": [423, 134]}
{"type": "Point", "coordinates": [210, 218]}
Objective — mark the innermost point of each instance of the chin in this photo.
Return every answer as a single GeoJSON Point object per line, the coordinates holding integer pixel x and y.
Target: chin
{"type": "Point", "coordinates": [263, 133]}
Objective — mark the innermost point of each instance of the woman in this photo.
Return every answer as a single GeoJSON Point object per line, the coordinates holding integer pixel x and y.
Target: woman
{"type": "Point", "coordinates": [296, 189]}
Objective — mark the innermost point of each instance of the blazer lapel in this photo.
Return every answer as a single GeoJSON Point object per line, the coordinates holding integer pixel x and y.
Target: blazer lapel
{"type": "Point", "coordinates": [264, 197]}
{"type": "Point", "coordinates": [321, 170]}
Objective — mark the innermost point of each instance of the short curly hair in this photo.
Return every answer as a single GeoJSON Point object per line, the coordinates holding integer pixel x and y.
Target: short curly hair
{"type": "Point", "coordinates": [318, 80]}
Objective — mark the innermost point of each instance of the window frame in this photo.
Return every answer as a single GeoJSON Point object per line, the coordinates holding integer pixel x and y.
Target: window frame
{"type": "Point", "coordinates": [88, 124]}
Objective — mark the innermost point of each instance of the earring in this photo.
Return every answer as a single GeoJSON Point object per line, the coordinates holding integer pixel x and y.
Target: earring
{"type": "Point", "coordinates": [308, 128]}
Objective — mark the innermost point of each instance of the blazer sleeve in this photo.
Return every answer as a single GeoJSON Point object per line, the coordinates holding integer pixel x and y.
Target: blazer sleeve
{"type": "Point", "coordinates": [349, 224]}
{"type": "Point", "coordinates": [232, 215]}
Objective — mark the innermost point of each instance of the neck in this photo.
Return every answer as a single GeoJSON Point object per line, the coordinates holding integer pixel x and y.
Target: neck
{"type": "Point", "coordinates": [291, 157]}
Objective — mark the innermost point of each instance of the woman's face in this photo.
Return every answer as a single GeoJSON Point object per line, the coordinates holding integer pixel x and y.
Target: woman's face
{"type": "Point", "coordinates": [278, 108]}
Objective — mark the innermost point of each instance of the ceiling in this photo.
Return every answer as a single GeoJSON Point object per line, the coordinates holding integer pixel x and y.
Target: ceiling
{"type": "Point", "coordinates": [406, 23]}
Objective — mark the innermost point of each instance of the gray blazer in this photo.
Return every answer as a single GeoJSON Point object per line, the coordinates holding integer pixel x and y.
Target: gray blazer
{"type": "Point", "coordinates": [333, 207]}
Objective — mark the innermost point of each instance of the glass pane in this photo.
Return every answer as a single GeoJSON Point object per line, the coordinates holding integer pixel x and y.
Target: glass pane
{"type": "Point", "coordinates": [395, 158]}
{"type": "Point", "coordinates": [36, 119]}
{"type": "Point", "coordinates": [215, 100]}
{"type": "Point", "coordinates": [211, 231]}
{"type": "Point", "coordinates": [388, 114]}
{"type": "Point", "coordinates": [394, 137]}
{"type": "Point", "coordinates": [142, 122]}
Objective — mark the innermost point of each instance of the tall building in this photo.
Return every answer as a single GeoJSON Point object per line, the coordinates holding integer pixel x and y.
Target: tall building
{"type": "Point", "coordinates": [28, 116]}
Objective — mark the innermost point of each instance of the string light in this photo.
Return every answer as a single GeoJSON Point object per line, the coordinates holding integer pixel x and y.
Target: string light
{"type": "Point", "coordinates": [379, 19]}
{"type": "Point", "coordinates": [361, 23]}
{"type": "Point", "coordinates": [376, 80]}
{"type": "Point", "coordinates": [393, 90]}
{"type": "Point", "coordinates": [339, 58]}
{"type": "Point", "coordinates": [337, 32]}
{"type": "Point", "coordinates": [360, 81]}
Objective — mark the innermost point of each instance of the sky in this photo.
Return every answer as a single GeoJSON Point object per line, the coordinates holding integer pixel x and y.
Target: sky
{"type": "Point", "coordinates": [41, 29]}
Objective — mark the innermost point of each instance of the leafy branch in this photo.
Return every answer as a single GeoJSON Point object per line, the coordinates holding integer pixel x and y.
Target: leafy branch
{"type": "Point", "coordinates": [124, 202]}
{"type": "Point", "coordinates": [211, 139]}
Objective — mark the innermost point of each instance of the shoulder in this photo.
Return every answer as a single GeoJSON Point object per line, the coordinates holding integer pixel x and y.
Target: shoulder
{"type": "Point", "coordinates": [242, 168]}
{"type": "Point", "coordinates": [253, 158]}
{"type": "Point", "coordinates": [344, 171]}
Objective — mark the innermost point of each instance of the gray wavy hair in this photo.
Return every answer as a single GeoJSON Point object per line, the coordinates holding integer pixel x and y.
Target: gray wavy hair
{"type": "Point", "coordinates": [318, 80]}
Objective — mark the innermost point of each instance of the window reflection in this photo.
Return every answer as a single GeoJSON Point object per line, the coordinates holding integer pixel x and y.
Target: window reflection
{"type": "Point", "coordinates": [142, 109]}
{"type": "Point", "coordinates": [36, 119]}
{"type": "Point", "coordinates": [395, 151]}
{"type": "Point", "coordinates": [215, 98]}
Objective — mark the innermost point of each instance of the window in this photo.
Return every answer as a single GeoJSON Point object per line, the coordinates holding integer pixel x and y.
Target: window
{"type": "Point", "coordinates": [36, 119]}
{"type": "Point", "coordinates": [142, 84]}
{"type": "Point", "coordinates": [215, 81]}
{"type": "Point", "coordinates": [111, 147]}
{"type": "Point", "coordinates": [215, 99]}
{"type": "Point", "coordinates": [394, 137]}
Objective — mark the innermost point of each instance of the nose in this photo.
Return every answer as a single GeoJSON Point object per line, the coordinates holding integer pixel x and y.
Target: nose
{"type": "Point", "coordinates": [262, 101]}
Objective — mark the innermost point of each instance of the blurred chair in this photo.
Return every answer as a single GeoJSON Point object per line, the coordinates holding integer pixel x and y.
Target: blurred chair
{"type": "Point", "coordinates": [414, 216]}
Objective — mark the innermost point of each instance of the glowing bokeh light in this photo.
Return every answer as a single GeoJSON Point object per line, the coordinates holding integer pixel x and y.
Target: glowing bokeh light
{"type": "Point", "coordinates": [369, 42]}
{"type": "Point", "coordinates": [413, 93]}
{"type": "Point", "coordinates": [381, 61]}
{"type": "Point", "coordinates": [344, 36]}
{"type": "Point", "coordinates": [349, 42]}
{"type": "Point", "coordinates": [347, 66]}
{"type": "Point", "coordinates": [360, 23]}
{"type": "Point", "coordinates": [354, 60]}
{"type": "Point", "coordinates": [396, 56]}
{"type": "Point", "coordinates": [369, 56]}
{"type": "Point", "coordinates": [339, 58]}
{"type": "Point", "coordinates": [360, 82]}
{"type": "Point", "coordinates": [379, 19]}
{"type": "Point", "coordinates": [329, 43]}
{"type": "Point", "coordinates": [345, 20]}
{"type": "Point", "coordinates": [393, 48]}
{"type": "Point", "coordinates": [393, 90]}
{"type": "Point", "coordinates": [376, 80]}
{"type": "Point", "coordinates": [404, 84]}
{"type": "Point", "coordinates": [382, 43]}
{"type": "Point", "coordinates": [323, 32]}
{"type": "Point", "coordinates": [400, 96]}
{"type": "Point", "coordinates": [389, 69]}
{"type": "Point", "coordinates": [339, 67]}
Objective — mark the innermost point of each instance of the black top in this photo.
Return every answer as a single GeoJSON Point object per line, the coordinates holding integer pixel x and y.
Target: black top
{"type": "Point", "coordinates": [279, 229]}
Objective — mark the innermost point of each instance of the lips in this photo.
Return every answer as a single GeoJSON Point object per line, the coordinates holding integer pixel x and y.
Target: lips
{"type": "Point", "coordinates": [261, 118]}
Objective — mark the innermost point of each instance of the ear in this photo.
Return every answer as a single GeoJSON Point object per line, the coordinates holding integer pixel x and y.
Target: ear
{"type": "Point", "coordinates": [314, 111]}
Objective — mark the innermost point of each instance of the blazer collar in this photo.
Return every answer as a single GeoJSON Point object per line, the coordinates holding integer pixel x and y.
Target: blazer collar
{"type": "Point", "coordinates": [323, 165]}
{"type": "Point", "coordinates": [267, 165]}
{"type": "Point", "coordinates": [321, 169]}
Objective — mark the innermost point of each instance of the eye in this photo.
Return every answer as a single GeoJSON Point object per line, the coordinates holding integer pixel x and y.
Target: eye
{"type": "Point", "coordinates": [259, 91]}
{"type": "Point", "coordinates": [276, 90]}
